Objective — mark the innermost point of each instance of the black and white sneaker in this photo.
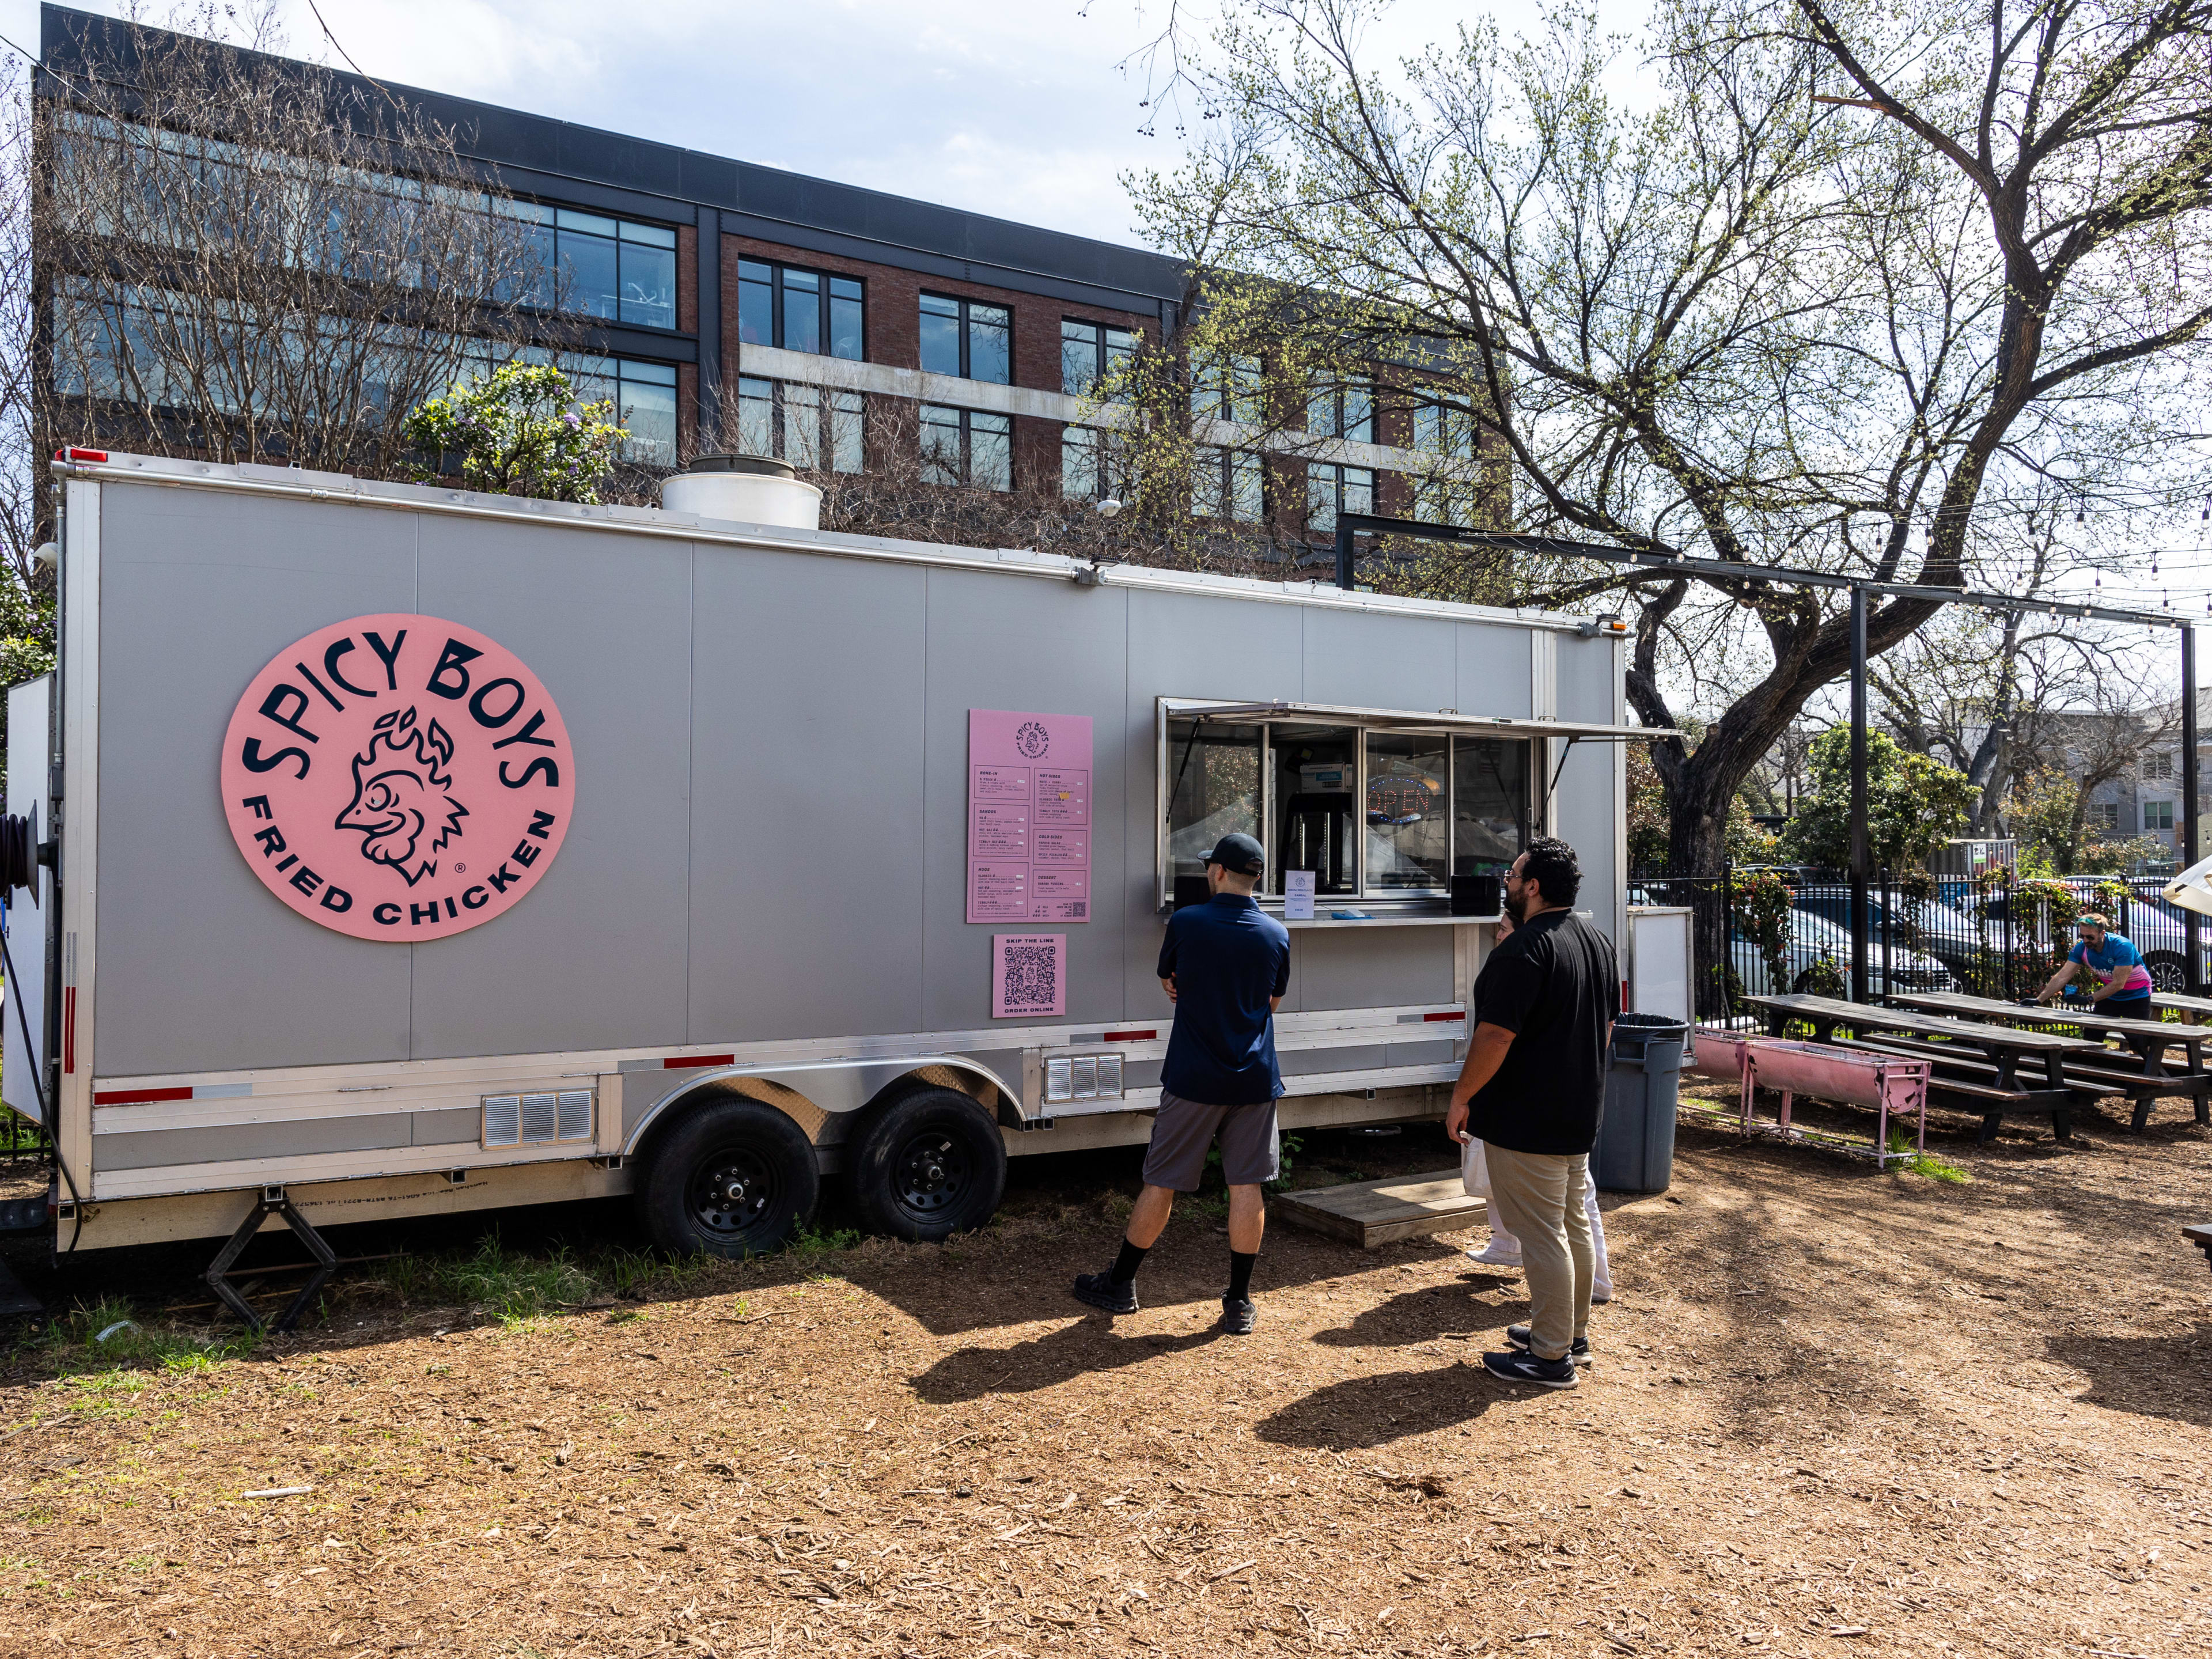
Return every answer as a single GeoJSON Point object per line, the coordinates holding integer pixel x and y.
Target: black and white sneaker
{"type": "Point", "coordinates": [1517, 1336]}
{"type": "Point", "coordinates": [1514, 1365]}
{"type": "Point", "coordinates": [1238, 1316]}
{"type": "Point", "coordinates": [1100, 1290]}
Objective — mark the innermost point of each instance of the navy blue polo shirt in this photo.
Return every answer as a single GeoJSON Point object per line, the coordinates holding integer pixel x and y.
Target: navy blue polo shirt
{"type": "Point", "coordinates": [1228, 958]}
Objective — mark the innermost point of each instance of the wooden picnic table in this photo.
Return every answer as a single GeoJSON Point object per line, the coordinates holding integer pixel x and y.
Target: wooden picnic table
{"type": "Point", "coordinates": [2200, 1235]}
{"type": "Point", "coordinates": [2006, 1050]}
{"type": "Point", "coordinates": [2192, 1009]}
{"type": "Point", "coordinates": [2149, 1040]}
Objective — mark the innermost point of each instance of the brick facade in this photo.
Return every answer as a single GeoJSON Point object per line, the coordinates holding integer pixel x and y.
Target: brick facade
{"type": "Point", "coordinates": [891, 314]}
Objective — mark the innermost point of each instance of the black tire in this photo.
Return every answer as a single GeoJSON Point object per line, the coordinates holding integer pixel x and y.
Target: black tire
{"type": "Point", "coordinates": [926, 1165]}
{"type": "Point", "coordinates": [2169, 972]}
{"type": "Point", "coordinates": [731, 1178]}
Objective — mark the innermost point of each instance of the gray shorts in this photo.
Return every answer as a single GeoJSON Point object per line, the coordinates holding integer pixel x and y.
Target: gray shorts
{"type": "Point", "coordinates": [1251, 1151]}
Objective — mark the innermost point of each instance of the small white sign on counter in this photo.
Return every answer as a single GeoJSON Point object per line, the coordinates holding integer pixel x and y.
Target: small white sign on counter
{"type": "Point", "coordinates": [1298, 895]}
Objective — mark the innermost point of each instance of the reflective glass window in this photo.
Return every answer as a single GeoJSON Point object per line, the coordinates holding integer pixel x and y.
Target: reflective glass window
{"type": "Point", "coordinates": [802, 311]}
{"type": "Point", "coordinates": [802, 425]}
{"type": "Point", "coordinates": [1408, 796]}
{"type": "Point", "coordinates": [646, 399]}
{"type": "Point", "coordinates": [1490, 805]}
{"type": "Point", "coordinates": [1316, 771]}
{"type": "Point", "coordinates": [1334, 490]}
{"type": "Point", "coordinates": [845, 318]}
{"type": "Point", "coordinates": [1226, 388]}
{"type": "Point", "coordinates": [847, 415]}
{"type": "Point", "coordinates": [648, 275]}
{"type": "Point", "coordinates": [756, 303]}
{"type": "Point", "coordinates": [941, 335]}
{"type": "Point", "coordinates": [991, 451]}
{"type": "Point", "coordinates": [1213, 774]}
{"type": "Point", "coordinates": [755, 416]}
{"type": "Point", "coordinates": [1079, 358]}
{"type": "Point", "coordinates": [590, 279]}
{"type": "Point", "coordinates": [941, 460]}
{"type": "Point", "coordinates": [990, 344]}
{"type": "Point", "coordinates": [1079, 463]}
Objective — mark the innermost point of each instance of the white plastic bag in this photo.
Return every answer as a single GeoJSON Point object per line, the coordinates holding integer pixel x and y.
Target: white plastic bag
{"type": "Point", "coordinates": [1473, 1173]}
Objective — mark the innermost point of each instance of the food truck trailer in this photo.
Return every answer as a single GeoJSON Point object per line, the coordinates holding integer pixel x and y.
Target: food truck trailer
{"type": "Point", "coordinates": [380, 851]}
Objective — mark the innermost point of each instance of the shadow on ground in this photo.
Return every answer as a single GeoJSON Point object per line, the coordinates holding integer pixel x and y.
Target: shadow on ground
{"type": "Point", "coordinates": [1375, 1411]}
{"type": "Point", "coordinates": [2168, 1377]}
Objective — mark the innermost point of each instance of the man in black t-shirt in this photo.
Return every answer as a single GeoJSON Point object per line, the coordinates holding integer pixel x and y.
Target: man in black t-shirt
{"type": "Point", "coordinates": [1531, 1091]}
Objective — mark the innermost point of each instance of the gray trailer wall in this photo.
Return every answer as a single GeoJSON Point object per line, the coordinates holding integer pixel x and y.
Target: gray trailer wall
{"type": "Point", "coordinates": [770, 830]}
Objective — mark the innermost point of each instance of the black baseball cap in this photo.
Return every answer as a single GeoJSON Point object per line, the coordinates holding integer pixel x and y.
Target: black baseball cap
{"type": "Point", "coordinates": [1239, 854]}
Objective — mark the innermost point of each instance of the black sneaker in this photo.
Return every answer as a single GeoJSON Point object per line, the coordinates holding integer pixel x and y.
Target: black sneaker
{"type": "Point", "coordinates": [1515, 1366]}
{"type": "Point", "coordinates": [1517, 1336]}
{"type": "Point", "coordinates": [1100, 1290]}
{"type": "Point", "coordinates": [1238, 1316]}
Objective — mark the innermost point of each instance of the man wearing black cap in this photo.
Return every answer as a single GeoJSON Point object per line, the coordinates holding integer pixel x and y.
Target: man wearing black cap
{"type": "Point", "coordinates": [1225, 965]}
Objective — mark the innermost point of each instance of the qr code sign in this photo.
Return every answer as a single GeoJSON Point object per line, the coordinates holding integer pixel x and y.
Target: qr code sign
{"type": "Point", "coordinates": [1028, 975]}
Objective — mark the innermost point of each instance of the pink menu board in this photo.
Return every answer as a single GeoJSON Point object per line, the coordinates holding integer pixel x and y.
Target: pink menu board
{"type": "Point", "coordinates": [1028, 816]}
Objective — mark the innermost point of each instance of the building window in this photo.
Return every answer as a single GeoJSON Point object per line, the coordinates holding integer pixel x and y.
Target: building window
{"type": "Point", "coordinates": [2105, 814]}
{"type": "Point", "coordinates": [1225, 483]}
{"type": "Point", "coordinates": [809, 426]}
{"type": "Point", "coordinates": [1347, 411]}
{"type": "Point", "coordinates": [2158, 815]}
{"type": "Point", "coordinates": [1226, 387]}
{"type": "Point", "coordinates": [799, 310]}
{"type": "Point", "coordinates": [2158, 766]}
{"type": "Point", "coordinates": [644, 396]}
{"type": "Point", "coordinates": [1441, 429]}
{"type": "Point", "coordinates": [967, 446]}
{"type": "Point", "coordinates": [966, 339]}
{"type": "Point", "coordinates": [617, 269]}
{"type": "Point", "coordinates": [1334, 490]}
{"type": "Point", "coordinates": [1092, 352]}
{"type": "Point", "coordinates": [1093, 465]}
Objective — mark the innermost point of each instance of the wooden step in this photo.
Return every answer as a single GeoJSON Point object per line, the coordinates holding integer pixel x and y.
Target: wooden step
{"type": "Point", "coordinates": [1371, 1212]}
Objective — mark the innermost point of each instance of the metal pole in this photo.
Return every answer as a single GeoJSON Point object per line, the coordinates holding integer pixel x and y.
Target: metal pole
{"type": "Point", "coordinates": [1343, 554]}
{"type": "Point", "coordinates": [2190, 924]}
{"type": "Point", "coordinates": [1859, 855]}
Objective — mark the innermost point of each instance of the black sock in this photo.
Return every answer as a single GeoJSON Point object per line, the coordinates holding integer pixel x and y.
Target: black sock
{"type": "Point", "coordinates": [1126, 1264]}
{"type": "Point", "coordinates": [1240, 1275]}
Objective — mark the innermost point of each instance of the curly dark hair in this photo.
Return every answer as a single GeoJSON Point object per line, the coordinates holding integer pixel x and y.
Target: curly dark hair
{"type": "Point", "coordinates": [1553, 866]}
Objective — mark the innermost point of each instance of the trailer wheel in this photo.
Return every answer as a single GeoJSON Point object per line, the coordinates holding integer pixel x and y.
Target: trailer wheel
{"type": "Point", "coordinates": [927, 1165]}
{"type": "Point", "coordinates": [733, 1178]}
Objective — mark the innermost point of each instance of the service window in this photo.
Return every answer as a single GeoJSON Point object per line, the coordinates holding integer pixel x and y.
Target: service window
{"type": "Point", "coordinates": [1408, 799]}
{"type": "Point", "coordinates": [1490, 805]}
{"type": "Point", "coordinates": [1214, 790]}
{"type": "Point", "coordinates": [1317, 779]}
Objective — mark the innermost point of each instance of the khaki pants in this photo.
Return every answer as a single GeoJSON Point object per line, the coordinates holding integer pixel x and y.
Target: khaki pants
{"type": "Point", "coordinates": [1539, 1198]}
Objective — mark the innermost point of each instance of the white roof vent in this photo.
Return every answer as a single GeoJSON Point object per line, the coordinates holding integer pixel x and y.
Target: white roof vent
{"type": "Point", "coordinates": [748, 489]}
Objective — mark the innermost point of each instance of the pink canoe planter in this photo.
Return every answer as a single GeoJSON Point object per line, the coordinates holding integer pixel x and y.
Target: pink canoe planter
{"type": "Point", "coordinates": [1893, 1086]}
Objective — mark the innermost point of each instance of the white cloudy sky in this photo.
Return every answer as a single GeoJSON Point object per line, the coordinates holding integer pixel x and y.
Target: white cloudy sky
{"type": "Point", "coordinates": [1013, 107]}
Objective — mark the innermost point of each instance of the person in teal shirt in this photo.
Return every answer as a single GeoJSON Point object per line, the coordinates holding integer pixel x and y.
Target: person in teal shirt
{"type": "Point", "coordinates": [2110, 968]}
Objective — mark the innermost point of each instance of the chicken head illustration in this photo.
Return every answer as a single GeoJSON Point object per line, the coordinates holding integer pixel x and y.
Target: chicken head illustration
{"type": "Point", "coordinates": [399, 805]}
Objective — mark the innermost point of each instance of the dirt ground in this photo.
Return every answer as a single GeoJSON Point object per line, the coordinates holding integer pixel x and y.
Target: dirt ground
{"type": "Point", "coordinates": [1833, 1412]}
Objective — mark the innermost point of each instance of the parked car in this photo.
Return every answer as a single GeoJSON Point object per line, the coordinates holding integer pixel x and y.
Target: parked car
{"type": "Point", "coordinates": [1813, 938]}
{"type": "Point", "coordinates": [2154, 924]}
{"type": "Point", "coordinates": [1954, 936]}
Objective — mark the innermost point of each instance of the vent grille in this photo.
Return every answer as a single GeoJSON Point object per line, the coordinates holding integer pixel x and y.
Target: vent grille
{"type": "Point", "coordinates": [1083, 1076]}
{"type": "Point", "coordinates": [537, 1119]}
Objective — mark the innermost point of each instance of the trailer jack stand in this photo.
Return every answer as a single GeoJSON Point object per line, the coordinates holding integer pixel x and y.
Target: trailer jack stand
{"type": "Point", "coordinates": [271, 1202]}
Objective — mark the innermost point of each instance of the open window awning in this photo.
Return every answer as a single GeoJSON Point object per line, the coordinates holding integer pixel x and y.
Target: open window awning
{"type": "Point", "coordinates": [1330, 713]}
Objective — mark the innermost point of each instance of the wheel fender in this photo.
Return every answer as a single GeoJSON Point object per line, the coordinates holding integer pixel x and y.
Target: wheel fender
{"type": "Point", "coordinates": [823, 1097]}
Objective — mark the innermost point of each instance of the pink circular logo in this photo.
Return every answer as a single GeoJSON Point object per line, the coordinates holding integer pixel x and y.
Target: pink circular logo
{"type": "Point", "coordinates": [397, 777]}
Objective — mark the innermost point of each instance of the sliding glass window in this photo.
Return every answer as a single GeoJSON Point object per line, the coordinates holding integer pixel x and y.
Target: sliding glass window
{"type": "Point", "coordinates": [1214, 790]}
{"type": "Point", "coordinates": [1408, 803]}
{"type": "Point", "coordinates": [1374, 813]}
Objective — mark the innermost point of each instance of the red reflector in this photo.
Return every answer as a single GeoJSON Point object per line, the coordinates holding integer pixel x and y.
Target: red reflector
{"type": "Point", "coordinates": [80, 455]}
{"type": "Point", "coordinates": [135, 1097]}
{"type": "Point", "coordinates": [1129, 1037]}
{"type": "Point", "coordinates": [1450, 1013]}
{"type": "Point", "coordinates": [700, 1059]}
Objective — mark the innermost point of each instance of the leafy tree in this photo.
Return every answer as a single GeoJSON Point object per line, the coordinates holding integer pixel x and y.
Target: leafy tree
{"type": "Point", "coordinates": [1914, 803]}
{"type": "Point", "coordinates": [520, 431]}
{"type": "Point", "coordinates": [1854, 284]}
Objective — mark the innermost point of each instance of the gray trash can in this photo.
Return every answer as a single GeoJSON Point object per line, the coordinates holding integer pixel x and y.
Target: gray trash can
{"type": "Point", "coordinates": [1635, 1150]}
